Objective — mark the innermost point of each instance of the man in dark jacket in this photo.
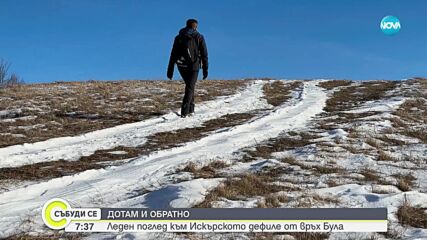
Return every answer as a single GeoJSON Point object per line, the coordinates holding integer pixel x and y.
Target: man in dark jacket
{"type": "Point", "coordinates": [190, 53]}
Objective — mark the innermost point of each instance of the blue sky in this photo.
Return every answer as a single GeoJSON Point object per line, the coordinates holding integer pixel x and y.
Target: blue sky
{"type": "Point", "coordinates": [49, 40]}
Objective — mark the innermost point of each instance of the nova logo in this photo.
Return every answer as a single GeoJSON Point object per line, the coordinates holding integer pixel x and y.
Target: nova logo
{"type": "Point", "coordinates": [390, 25]}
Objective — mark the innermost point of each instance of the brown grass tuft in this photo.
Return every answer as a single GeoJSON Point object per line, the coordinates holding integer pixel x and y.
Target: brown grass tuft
{"type": "Point", "coordinates": [353, 96]}
{"type": "Point", "coordinates": [278, 92]}
{"type": "Point", "coordinates": [309, 236]}
{"type": "Point", "coordinates": [370, 175]}
{"type": "Point", "coordinates": [334, 84]}
{"type": "Point", "coordinates": [249, 185]}
{"type": "Point", "coordinates": [383, 156]}
{"type": "Point", "coordinates": [405, 182]}
{"type": "Point", "coordinates": [279, 144]}
{"type": "Point", "coordinates": [412, 216]}
{"type": "Point", "coordinates": [208, 171]}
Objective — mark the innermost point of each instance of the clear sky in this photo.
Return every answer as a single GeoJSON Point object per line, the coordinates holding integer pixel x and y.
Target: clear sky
{"type": "Point", "coordinates": [49, 40]}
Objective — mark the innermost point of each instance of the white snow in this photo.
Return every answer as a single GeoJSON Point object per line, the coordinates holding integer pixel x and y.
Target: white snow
{"type": "Point", "coordinates": [8, 120]}
{"type": "Point", "coordinates": [354, 195]}
{"type": "Point", "coordinates": [12, 120]}
{"type": "Point", "coordinates": [12, 135]}
{"type": "Point", "coordinates": [387, 105]}
{"type": "Point", "coordinates": [113, 185]}
{"type": "Point", "coordinates": [118, 152]}
{"type": "Point", "coordinates": [180, 195]}
{"type": "Point", "coordinates": [153, 180]}
{"type": "Point", "coordinates": [134, 134]}
{"type": "Point", "coordinates": [10, 113]}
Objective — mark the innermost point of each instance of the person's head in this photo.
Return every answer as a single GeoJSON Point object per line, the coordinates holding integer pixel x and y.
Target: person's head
{"type": "Point", "coordinates": [192, 23]}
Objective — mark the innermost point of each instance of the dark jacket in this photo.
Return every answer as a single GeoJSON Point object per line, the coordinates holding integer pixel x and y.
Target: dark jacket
{"type": "Point", "coordinates": [203, 51]}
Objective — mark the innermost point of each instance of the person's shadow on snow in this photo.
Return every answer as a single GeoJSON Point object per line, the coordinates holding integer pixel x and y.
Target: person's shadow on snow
{"type": "Point", "coordinates": [161, 198]}
{"type": "Point", "coordinates": [372, 198]}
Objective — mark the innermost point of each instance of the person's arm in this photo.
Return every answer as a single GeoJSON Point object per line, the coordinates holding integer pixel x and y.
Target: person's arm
{"type": "Point", "coordinates": [204, 56]}
{"type": "Point", "coordinates": [172, 60]}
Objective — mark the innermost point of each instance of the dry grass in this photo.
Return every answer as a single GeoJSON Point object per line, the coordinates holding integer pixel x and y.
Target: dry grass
{"type": "Point", "coordinates": [353, 133]}
{"type": "Point", "coordinates": [272, 201]}
{"type": "Point", "coordinates": [384, 156]}
{"type": "Point", "coordinates": [370, 175]}
{"type": "Point", "coordinates": [55, 236]}
{"type": "Point", "coordinates": [248, 185]}
{"type": "Point", "coordinates": [276, 171]}
{"type": "Point", "coordinates": [325, 199]}
{"type": "Point", "coordinates": [208, 171]}
{"type": "Point", "coordinates": [309, 236]}
{"type": "Point", "coordinates": [311, 200]}
{"type": "Point", "coordinates": [156, 142]}
{"type": "Point", "coordinates": [354, 150]}
{"type": "Point", "coordinates": [353, 96]}
{"type": "Point", "coordinates": [54, 169]}
{"type": "Point", "coordinates": [397, 122]}
{"type": "Point", "coordinates": [373, 142]}
{"type": "Point", "coordinates": [278, 92]}
{"type": "Point", "coordinates": [68, 109]}
{"type": "Point", "coordinates": [289, 160]}
{"type": "Point", "coordinates": [334, 84]}
{"type": "Point", "coordinates": [419, 133]}
{"type": "Point", "coordinates": [342, 118]}
{"type": "Point", "coordinates": [316, 169]}
{"type": "Point", "coordinates": [409, 215]}
{"type": "Point", "coordinates": [164, 140]}
{"type": "Point", "coordinates": [391, 141]}
{"type": "Point", "coordinates": [411, 119]}
{"type": "Point", "coordinates": [405, 182]}
{"type": "Point", "coordinates": [279, 144]}
{"type": "Point", "coordinates": [413, 110]}
{"type": "Point", "coordinates": [332, 183]}
{"type": "Point", "coordinates": [320, 170]}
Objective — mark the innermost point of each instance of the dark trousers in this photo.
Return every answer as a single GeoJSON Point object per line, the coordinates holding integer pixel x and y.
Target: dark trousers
{"type": "Point", "coordinates": [190, 78]}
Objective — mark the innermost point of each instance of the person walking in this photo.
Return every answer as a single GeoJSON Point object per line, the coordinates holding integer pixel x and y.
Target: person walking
{"type": "Point", "coordinates": [189, 53]}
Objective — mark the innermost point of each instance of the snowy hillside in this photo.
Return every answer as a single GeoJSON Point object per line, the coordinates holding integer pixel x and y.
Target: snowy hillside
{"type": "Point", "coordinates": [254, 143]}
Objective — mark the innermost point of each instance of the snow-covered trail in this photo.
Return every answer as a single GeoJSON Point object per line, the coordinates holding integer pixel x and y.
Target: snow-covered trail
{"type": "Point", "coordinates": [114, 185]}
{"type": "Point", "coordinates": [133, 134]}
